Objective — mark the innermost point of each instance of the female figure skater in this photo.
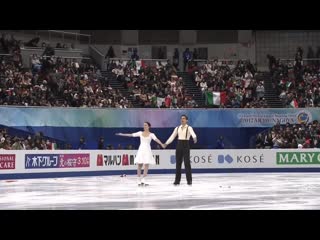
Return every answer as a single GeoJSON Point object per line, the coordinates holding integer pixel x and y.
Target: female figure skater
{"type": "Point", "coordinates": [144, 155]}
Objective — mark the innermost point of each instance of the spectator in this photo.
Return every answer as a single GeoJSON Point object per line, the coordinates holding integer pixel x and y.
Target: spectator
{"type": "Point", "coordinates": [186, 58]}
{"type": "Point", "coordinates": [130, 147]}
{"type": "Point", "coordinates": [5, 143]}
{"type": "Point", "coordinates": [33, 42]}
{"type": "Point", "coordinates": [277, 141]}
{"type": "Point", "coordinates": [17, 59]}
{"type": "Point", "coordinates": [163, 105]}
{"type": "Point", "coordinates": [135, 56]}
{"type": "Point", "coordinates": [49, 51]}
{"type": "Point", "coordinates": [272, 62]}
{"type": "Point", "coordinates": [260, 141]}
{"type": "Point", "coordinates": [203, 86]}
{"type": "Point", "coordinates": [101, 143]}
{"type": "Point", "coordinates": [2, 143]}
{"type": "Point", "coordinates": [17, 144]}
{"type": "Point", "coordinates": [82, 143]}
{"type": "Point", "coordinates": [260, 90]}
{"type": "Point", "coordinates": [110, 53]}
{"type": "Point", "coordinates": [175, 59]}
{"type": "Point", "coordinates": [110, 147]}
{"type": "Point", "coordinates": [220, 143]}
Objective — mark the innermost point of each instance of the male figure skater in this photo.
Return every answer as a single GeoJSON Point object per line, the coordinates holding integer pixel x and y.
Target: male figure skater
{"type": "Point", "coordinates": [184, 131]}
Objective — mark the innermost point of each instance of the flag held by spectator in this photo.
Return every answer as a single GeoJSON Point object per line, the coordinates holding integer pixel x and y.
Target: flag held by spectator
{"type": "Point", "coordinates": [157, 101]}
{"type": "Point", "coordinates": [288, 84]}
{"type": "Point", "coordinates": [138, 65]}
{"type": "Point", "coordinates": [216, 98]}
{"type": "Point", "coordinates": [294, 103]}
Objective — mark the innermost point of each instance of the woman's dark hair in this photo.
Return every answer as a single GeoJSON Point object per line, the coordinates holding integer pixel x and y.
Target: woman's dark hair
{"type": "Point", "coordinates": [148, 124]}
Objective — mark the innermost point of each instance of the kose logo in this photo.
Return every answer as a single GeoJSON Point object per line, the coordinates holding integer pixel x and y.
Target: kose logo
{"type": "Point", "coordinates": [124, 160]}
{"type": "Point", "coordinates": [241, 159]}
{"type": "Point", "coordinates": [194, 159]}
{"type": "Point", "coordinates": [227, 158]}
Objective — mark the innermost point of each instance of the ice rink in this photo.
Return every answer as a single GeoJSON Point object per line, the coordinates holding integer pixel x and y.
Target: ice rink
{"type": "Point", "coordinates": [209, 191]}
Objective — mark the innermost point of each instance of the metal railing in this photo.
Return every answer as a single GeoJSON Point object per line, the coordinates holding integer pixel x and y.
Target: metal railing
{"type": "Point", "coordinates": [220, 61]}
{"type": "Point", "coordinates": [63, 33]}
{"type": "Point", "coordinates": [64, 57]}
{"type": "Point", "coordinates": [147, 61]}
{"type": "Point", "coordinates": [57, 35]}
{"type": "Point", "coordinates": [5, 54]}
{"type": "Point", "coordinates": [304, 60]}
{"type": "Point", "coordinates": [62, 49]}
{"type": "Point", "coordinates": [55, 57]}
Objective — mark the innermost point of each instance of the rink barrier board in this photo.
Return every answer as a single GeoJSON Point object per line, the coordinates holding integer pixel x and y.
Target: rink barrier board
{"type": "Point", "coordinates": [77, 163]}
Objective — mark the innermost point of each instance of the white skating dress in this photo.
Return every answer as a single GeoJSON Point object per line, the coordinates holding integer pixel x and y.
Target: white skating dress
{"type": "Point", "coordinates": [144, 154]}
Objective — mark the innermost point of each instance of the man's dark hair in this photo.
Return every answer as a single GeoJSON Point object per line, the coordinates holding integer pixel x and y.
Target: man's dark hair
{"type": "Point", "coordinates": [183, 115]}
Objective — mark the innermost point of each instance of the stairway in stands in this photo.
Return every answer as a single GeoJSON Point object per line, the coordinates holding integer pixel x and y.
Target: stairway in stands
{"type": "Point", "coordinates": [270, 94]}
{"type": "Point", "coordinates": [192, 88]}
{"type": "Point", "coordinates": [111, 77]}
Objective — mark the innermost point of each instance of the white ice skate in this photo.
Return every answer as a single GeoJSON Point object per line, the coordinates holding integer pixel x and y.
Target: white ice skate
{"type": "Point", "coordinates": [144, 182]}
{"type": "Point", "coordinates": [139, 182]}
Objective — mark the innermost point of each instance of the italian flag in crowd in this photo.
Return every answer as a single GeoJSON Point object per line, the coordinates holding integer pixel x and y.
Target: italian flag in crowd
{"type": "Point", "coordinates": [140, 64]}
{"type": "Point", "coordinates": [216, 98]}
{"type": "Point", "coordinates": [294, 103]}
{"type": "Point", "coordinates": [157, 101]}
{"type": "Point", "coordinates": [52, 146]}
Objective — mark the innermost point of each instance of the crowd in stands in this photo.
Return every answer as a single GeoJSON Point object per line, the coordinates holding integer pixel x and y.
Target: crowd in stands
{"type": "Point", "coordinates": [297, 82]}
{"type": "Point", "coordinates": [237, 81]}
{"type": "Point", "coordinates": [156, 85]}
{"type": "Point", "coordinates": [35, 142]}
{"type": "Point", "coordinates": [38, 141]}
{"type": "Point", "coordinates": [54, 82]}
{"type": "Point", "coordinates": [290, 136]}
